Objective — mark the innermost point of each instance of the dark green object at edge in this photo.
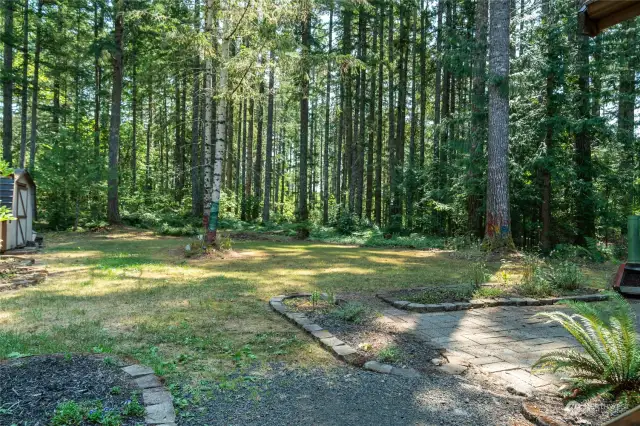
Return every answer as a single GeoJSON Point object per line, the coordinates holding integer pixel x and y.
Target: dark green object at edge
{"type": "Point", "coordinates": [634, 239]}
{"type": "Point", "coordinates": [213, 217]}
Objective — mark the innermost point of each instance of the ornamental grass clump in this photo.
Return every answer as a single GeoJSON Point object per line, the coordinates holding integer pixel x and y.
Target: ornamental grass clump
{"type": "Point", "coordinates": [610, 363]}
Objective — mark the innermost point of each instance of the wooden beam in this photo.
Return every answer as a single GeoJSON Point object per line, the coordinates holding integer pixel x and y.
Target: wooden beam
{"type": "Point", "coordinates": [630, 418]}
{"type": "Point", "coordinates": [597, 15]}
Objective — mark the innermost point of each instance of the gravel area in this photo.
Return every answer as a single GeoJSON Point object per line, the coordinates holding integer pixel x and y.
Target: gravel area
{"type": "Point", "coordinates": [350, 396]}
{"type": "Point", "coordinates": [32, 387]}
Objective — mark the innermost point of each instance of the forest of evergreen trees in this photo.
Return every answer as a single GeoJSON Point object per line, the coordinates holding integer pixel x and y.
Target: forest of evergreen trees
{"type": "Point", "coordinates": [485, 118]}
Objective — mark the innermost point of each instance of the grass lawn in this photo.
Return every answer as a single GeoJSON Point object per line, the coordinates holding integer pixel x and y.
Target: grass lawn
{"type": "Point", "coordinates": [133, 293]}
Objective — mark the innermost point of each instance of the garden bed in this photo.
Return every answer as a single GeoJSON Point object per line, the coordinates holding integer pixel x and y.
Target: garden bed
{"type": "Point", "coordinates": [462, 297]}
{"type": "Point", "coordinates": [60, 390]}
{"type": "Point", "coordinates": [16, 272]}
{"type": "Point", "coordinates": [356, 321]}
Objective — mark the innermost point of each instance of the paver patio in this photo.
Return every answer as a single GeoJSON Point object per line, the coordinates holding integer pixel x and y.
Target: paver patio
{"type": "Point", "coordinates": [502, 341]}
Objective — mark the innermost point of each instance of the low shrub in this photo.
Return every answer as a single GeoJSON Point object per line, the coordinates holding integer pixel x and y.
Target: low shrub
{"type": "Point", "coordinates": [565, 276]}
{"type": "Point", "coordinates": [390, 353]}
{"type": "Point", "coordinates": [610, 363]}
{"type": "Point", "coordinates": [352, 312]}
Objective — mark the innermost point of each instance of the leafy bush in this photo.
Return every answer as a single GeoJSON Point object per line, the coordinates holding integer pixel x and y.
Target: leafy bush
{"type": "Point", "coordinates": [536, 285]}
{"type": "Point", "coordinates": [611, 359]}
{"type": "Point", "coordinates": [353, 312]}
{"type": "Point", "coordinates": [67, 413]}
{"type": "Point", "coordinates": [565, 276]}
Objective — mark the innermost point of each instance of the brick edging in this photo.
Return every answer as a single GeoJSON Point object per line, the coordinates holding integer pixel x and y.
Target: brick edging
{"type": "Point", "coordinates": [157, 401]}
{"type": "Point", "coordinates": [486, 303]}
{"type": "Point", "coordinates": [335, 346]}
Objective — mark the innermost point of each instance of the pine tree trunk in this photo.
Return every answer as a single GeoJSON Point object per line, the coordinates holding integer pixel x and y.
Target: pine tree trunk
{"type": "Point", "coordinates": [545, 172]}
{"type": "Point", "coordinates": [362, 134]}
{"type": "Point", "coordinates": [24, 107]}
{"type": "Point", "coordinates": [391, 138]}
{"type": "Point", "coordinates": [303, 213]}
{"type": "Point", "coordinates": [626, 116]}
{"type": "Point", "coordinates": [98, 17]}
{"type": "Point", "coordinates": [498, 226]}
{"type": "Point", "coordinates": [423, 80]}
{"type": "Point", "coordinates": [208, 123]}
{"type": "Point", "coordinates": [258, 162]}
{"type": "Point", "coordinates": [327, 114]}
{"type": "Point", "coordinates": [266, 208]}
{"type": "Point", "coordinates": [221, 122]}
{"type": "Point", "coordinates": [410, 184]}
{"type": "Point", "coordinates": [396, 210]}
{"type": "Point", "coordinates": [196, 196]}
{"type": "Point", "coordinates": [147, 160]}
{"type": "Point", "coordinates": [585, 202]}
{"type": "Point", "coordinates": [347, 15]}
{"type": "Point", "coordinates": [134, 130]}
{"type": "Point", "coordinates": [250, 166]}
{"type": "Point", "coordinates": [7, 82]}
{"type": "Point", "coordinates": [371, 128]}
{"type": "Point", "coordinates": [243, 204]}
{"type": "Point", "coordinates": [478, 119]}
{"type": "Point", "coordinates": [36, 88]}
{"type": "Point", "coordinates": [437, 94]}
{"type": "Point", "coordinates": [378, 195]}
{"type": "Point", "coordinates": [113, 212]}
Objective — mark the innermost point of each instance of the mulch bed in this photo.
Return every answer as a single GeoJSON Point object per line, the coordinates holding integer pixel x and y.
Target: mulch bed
{"type": "Point", "coordinates": [16, 272]}
{"type": "Point", "coordinates": [32, 387]}
{"type": "Point", "coordinates": [372, 335]}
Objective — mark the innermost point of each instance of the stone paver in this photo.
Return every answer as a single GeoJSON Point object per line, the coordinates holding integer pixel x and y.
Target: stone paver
{"type": "Point", "coordinates": [504, 341]}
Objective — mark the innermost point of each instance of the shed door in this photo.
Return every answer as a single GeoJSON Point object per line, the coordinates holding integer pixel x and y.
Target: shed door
{"type": "Point", "coordinates": [22, 201]}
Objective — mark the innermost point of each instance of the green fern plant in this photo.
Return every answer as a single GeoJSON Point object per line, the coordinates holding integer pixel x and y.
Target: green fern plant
{"type": "Point", "coordinates": [611, 359]}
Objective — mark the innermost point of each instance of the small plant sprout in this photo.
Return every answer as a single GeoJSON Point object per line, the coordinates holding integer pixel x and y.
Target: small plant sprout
{"type": "Point", "coordinates": [479, 273]}
{"type": "Point", "coordinates": [315, 298]}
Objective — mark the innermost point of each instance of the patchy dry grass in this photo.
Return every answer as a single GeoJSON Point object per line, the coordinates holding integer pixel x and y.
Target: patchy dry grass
{"type": "Point", "coordinates": [132, 293]}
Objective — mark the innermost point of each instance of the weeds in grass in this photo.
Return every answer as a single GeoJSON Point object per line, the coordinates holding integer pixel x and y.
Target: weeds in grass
{"type": "Point", "coordinates": [488, 293]}
{"type": "Point", "coordinates": [479, 273]}
{"type": "Point", "coordinates": [565, 276]}
{"type": "Point", "coordinates": [391, 354]}
{"type": "Point", "coordinates": [315, 298]}
{"type": "Point", "coordinates": [353, 312]}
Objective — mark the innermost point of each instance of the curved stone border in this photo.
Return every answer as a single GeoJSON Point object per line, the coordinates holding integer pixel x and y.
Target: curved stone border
{"type": "Point", "coordinates": [335, 346]}
{"type": "Point", "coordinates": [486, 303]}
{"type": "Point", "coordinates": [157, 400]}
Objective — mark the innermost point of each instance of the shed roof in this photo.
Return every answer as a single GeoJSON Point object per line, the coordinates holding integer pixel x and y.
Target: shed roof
{"type": "Point", "coordinates": [19, 173]}
{"type": "Point", "coordinates": [598, 15]}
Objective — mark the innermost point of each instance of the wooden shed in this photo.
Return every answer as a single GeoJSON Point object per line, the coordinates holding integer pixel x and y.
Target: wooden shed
{"type": "Point", "coordinates": [18, 193]}
{"type": "Point", "coordinates": [598, 15]}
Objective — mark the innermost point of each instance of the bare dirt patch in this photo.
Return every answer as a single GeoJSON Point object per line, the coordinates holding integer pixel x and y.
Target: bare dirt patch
{"type": "Point", "coordinates": [16, 272]}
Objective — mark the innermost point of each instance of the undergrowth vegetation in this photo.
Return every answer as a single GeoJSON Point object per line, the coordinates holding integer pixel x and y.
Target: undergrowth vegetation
{"type": "Point", "coordinates": [610, 362]}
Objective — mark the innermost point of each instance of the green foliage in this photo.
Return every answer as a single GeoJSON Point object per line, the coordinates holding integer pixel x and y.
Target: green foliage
{"type": "Point", "coordinates": [479, 273]}
{"type": "Point", "coordinates": [353, 312]}
{"type": "Point", "coordinates": [443, 294]}
{"type": "Point", "coordinates": [610, 362]}
{"type": "Point", "coordinates": [133, 408]}
{"type": "Point", "coordinates": [315, 298]}
{"type": "Point", "coordinates": [488, 293]}
{"type": "Point", "coordinates": [565, 276]}
{"type": "Point", "coordinates": [68, 413]}
{"type": "Point", "coordinates": [391, 354]}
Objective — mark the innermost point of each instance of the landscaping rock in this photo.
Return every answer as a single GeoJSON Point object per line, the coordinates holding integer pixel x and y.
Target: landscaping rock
{"type": "Point", "coordinates": [408, 373]}
{"type": "Point", "coordinates": [378, 367]}
{"type": "Point", "coordinates": [160, 414]}
{"type": "Point", "coordinates": [146, 382]}
{"type": "Point", "coordinates": [137, 370]}
{"type": "Point", "coordinates": [534, 414]}
{"type": "Point", "coordinates": [156, 396]}
{"type": "Point", "coordinates": [453, 369]}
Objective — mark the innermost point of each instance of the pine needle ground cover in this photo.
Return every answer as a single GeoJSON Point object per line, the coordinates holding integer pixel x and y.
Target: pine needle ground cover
{"type": "Point", "coordinates": [133, 293]}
